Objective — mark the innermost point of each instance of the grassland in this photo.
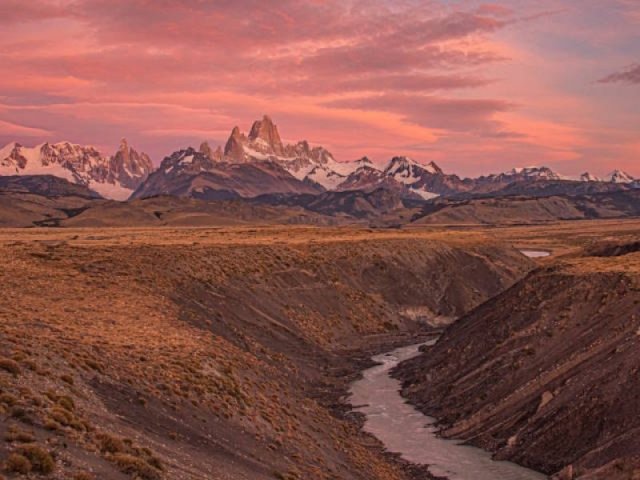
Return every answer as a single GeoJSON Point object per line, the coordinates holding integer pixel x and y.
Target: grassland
{"type": "Point", "coordinates": [189, 353]}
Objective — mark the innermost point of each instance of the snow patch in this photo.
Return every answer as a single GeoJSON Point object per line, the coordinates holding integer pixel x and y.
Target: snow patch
{"type": "Point", "coordinates": [425, 194]}
{"type": "Point", "coordinates": [111, 191]}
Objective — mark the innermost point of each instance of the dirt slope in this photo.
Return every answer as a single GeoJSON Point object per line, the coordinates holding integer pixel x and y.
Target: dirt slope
{"type": "Point", "coordinates": [521, 210]}
{"type": "Point", "coordinates": [546, 374]}
{"type": "Point", "coordinates": [193, 354]}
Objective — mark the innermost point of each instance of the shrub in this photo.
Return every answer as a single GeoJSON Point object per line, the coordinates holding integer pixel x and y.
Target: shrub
{"type": "Point", "coordinates": [17, 463]}
{"type": "Point", "coordinates": [52, 425]}
{"type": "Point", "coordinates": [8, 399]}
{"type": "Point", "coordinates": [135, 466]}
{"type": "Point", "coordinates": [110, 444]}
{"type": "Point", "coordinates": [63, 417]}
{"type": "Point", "coordinates": [22, 436]}
{"type": "Point", "coordinates": [66, 403]}
{"type": "Point", "coordinates": [41, 460]}
{"type": "Point", "coordinates": [10, 366]}
{"type": "Point", "coordinates": [83, 476]}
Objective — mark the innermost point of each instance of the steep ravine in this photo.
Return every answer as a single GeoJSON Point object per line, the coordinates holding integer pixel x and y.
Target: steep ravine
{"type": "Point", "coordinates": [197, 354]}
{"type": "Point", "coordinates": [548, 373]}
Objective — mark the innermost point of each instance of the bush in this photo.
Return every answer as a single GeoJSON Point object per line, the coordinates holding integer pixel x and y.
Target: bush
{"type": "Point", "coordinates": [41, 460]}
{"type": "Point", "coordinates": [21, 436]}
{"type": "Point", "coordinates": [83, 476]}
{"type": "Point", "coordinates": [66, 403]}
{"type": "Point", "coordinates": [17, 463]}
{"type": "Point", "coordinates": [10, 366]}
{"type": "Point", "coordinates": [8, 399]}
{"type": "Point", "coordinates": [110, 444]}
{"type": "Point", "coordinates": [135, 466]}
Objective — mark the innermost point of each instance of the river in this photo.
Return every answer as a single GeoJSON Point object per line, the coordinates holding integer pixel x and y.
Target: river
{"type": "Point", "coordinates": [404, 430]}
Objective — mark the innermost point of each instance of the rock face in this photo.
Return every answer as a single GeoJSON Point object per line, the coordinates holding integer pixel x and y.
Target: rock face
{"type": "Point", "coordinates": [264, 133]}
{"type": "Point", "coordinates": [112, 177]}
{"type": "Point", "coordinates": [545, 374]}
{"type": "Point", "coordinates": [128, 167]}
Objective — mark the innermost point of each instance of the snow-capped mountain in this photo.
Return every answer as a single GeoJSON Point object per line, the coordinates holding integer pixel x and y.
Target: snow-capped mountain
{"type": "Point", "coordinates": [526, 173]}
{"type": "Point", "coordinates": [192, 173]}
{"type": "Point", "coordinates": [589, 177]}
{"type": "Point", "coordinates": [285, 168]}
{"type": "Point", "coordinates": [114, 177]}
{"type": "Point", "coordinates": [263, 143]}
{"type": "Point", "coordinates": [618, 176]}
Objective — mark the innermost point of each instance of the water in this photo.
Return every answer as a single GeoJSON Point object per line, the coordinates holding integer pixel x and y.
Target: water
{"type": "Point", "coordinates": [535, 253]}
{"type": "Point", "coordinates": [405, 430]}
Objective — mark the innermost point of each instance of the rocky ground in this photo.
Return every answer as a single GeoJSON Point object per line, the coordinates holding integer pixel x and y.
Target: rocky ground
{"type": "Point", "coordinates": [214, 353]}
{"type": "Point", "coordinates": [547, 373]}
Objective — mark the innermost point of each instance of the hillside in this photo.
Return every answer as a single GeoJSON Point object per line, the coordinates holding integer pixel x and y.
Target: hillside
{"type": "Point", "coordinates": [530, 210]}
{"type": "Point", "coordinates": [546, 373]}
{"type": "Point", "coordinates": [195, 353]}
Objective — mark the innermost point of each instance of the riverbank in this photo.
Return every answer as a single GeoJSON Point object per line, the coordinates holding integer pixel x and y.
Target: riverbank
{"type": "Point", "coordinates": [413, 436]}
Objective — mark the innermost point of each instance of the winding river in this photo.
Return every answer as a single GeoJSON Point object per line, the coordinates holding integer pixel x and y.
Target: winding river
{"type": "Point", "coordinates": [405, 430]}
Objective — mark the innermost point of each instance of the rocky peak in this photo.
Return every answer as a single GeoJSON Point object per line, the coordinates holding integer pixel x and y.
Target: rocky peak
{"type": "Point", "coordinates": [535, 173]}
{"type": "Point", "coordinates": [205, 149]}
{"type": "Point", "coordinates": [619, 176]}
{"type": "Point", "coordinates": [409, 167]}
{"type": "Point", "coordinates": [589, 177]}
{"type": "Point", "coordinates": [112, 176]}
{"type": "Point", "coordinates": [213, 155]}
{"type": "Point", "coordinates": [11, 155]}
{"type": "Point", "coordinates": [234, 147]}
{"type": "Point", "coordinates": [266, 132]}
{"type": "Point", "coordinates": [129, 167]}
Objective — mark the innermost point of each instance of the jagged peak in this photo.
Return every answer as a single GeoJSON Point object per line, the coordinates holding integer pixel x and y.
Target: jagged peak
{"type": "Point", "coordinates": [266, 131]}
{"type": "Point", "coordinates": [205, 148]}
{"type": "Point", "coordinates": [402, 162]}
{"type": "Point", "coordinates": [619, 176]}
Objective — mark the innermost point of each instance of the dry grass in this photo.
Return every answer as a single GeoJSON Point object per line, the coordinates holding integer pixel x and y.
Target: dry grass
{"type": "Point", "coordinates": [113, 329]}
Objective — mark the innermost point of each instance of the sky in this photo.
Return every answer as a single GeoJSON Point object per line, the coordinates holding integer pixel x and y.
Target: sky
{"type": "Point", "coordinates": [476, 87]}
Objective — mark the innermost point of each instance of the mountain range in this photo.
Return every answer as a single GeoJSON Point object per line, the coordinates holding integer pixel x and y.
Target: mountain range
{"type": "Point", "coordinates": [260, 163]}
{"type": "Point", "coordinates": [115, 176]}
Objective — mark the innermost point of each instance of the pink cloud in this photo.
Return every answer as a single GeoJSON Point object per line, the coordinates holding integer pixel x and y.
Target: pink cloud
{"type": "Point", "coordinates": [630, 75]}
{"type": "Point", "coordinates": [457, 83]}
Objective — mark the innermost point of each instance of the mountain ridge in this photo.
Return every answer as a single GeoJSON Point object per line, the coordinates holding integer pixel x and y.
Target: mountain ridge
{"type": "Point", "coordinates": [126, 174]}
{"type": "Point", "coordinates": [114, 177]}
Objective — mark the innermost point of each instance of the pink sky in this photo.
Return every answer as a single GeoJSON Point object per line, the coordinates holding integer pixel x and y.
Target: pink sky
{"type": "Point", "coordinates": [477, 87]}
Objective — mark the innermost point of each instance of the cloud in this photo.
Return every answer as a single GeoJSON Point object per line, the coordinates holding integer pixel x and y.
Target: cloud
{"type": "Point", "coordinates": [33, 10]}
{"type": "Point", "coordinates": [433, 111]}
{"type": "Point", "coordinates": [10, 128]}
{"type": "Point", "coordinates": [630, 75]}
{"type": "Point", "coordinates": [455, 81]}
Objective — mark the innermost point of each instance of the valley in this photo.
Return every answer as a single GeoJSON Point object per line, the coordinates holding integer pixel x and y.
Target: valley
{"type": "Point", "coordinates": [175, 352]}
{"type": "Point", "coordinates": [319, 240]}
{"type": "Point", "coordinates": [198, 352]}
